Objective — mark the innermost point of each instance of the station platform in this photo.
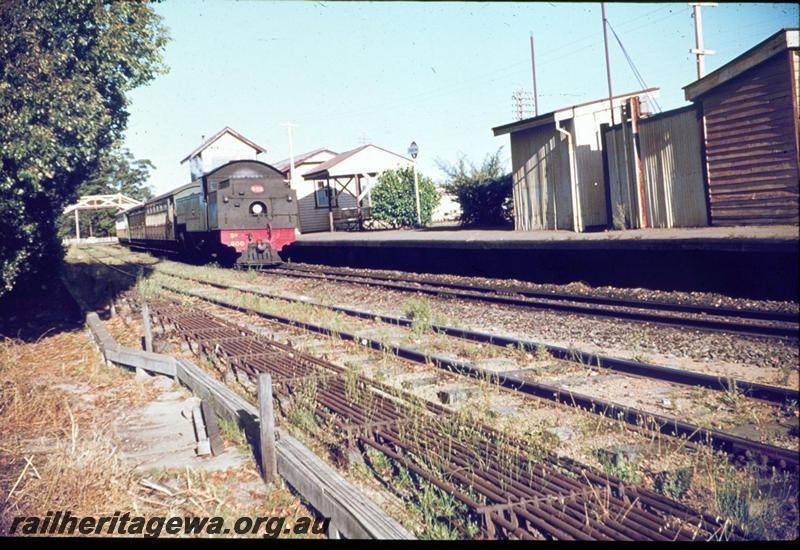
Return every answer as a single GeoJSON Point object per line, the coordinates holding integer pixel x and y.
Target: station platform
{"type": "Point", "coordinates": [755, 262]}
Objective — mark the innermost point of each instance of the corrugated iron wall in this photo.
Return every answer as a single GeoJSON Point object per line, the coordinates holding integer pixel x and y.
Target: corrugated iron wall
{"type": "Point", "coordinates": [669, 146]}
{"type": "Point", "coordinates": [589, 168]}
{"type": "Point", "coordinates": [541, 174]}
{"type": "Point", "coordinates": [751, 146]}
{"type": "Point", "coordinates": [673, 169]}
{"type": "Point", "coordinates": [621, 181]}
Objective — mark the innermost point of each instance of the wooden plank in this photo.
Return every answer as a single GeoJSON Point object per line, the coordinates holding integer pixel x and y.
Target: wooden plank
{"type": "Point", "coordinates": [146, 361]}
{"type": "Point", "coordinates": [212, 428]}
{"type": "Point", "coordinates": [752, 151]}
{"type": "Point", "coordinates": [736, 182]}
{"type": "Point", "coordinates": [779, 197]}
{"type": "Point", "coordinates": [754, 132]}
{"type": "Point", "coordinates": [764, 169]}
{"type": "Point", "coordinates": [269, 461]}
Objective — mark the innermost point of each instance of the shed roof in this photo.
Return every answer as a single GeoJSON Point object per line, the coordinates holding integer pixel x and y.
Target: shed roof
{"type": "Point", "coordinates": [283, 165]}
{"type": "Point", "coordinates": [328, 168]}
{"type": "Point", "coordinates": [215, 137]}
{"type": "Point", "coordinates": [559, 113]}
{"type": "Point", "coordinates": [780, 41]}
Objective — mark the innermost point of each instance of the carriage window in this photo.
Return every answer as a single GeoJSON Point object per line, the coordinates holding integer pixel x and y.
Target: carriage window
{"type": "Point", "coordinates": [321, 195]}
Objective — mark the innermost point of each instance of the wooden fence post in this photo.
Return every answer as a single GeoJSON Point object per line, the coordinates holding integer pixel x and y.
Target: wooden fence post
{"type": "Point", "coordinates": [148, 333]}
{"type": "Point", "coordinates": [269, 456]}
{"type": "Point", "coordinates": [148, 338]}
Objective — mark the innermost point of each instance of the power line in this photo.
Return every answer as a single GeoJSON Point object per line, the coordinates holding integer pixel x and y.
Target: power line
{"type": "Point", "coordinates": [636, 72]}
{"type": "Point", "coordinates": [510, 68]}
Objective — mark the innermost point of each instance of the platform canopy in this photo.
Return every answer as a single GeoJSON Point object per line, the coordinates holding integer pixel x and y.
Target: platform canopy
{"type": "Point", "coordinates": [351, 167]}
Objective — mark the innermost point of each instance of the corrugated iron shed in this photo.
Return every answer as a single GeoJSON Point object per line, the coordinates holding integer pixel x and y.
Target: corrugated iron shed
{"type": "Point", "coordinates": [557, 165]}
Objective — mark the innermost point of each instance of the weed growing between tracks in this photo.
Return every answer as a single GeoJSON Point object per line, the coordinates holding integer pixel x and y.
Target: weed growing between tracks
{"type": "Point", "coordinates": [764, 506]}
{"type": "Point", "coordinates": [423, 316]}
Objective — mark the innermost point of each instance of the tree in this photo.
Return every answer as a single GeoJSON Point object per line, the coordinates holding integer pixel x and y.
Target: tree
{"type": "Point", "coordinates": [394, 200]}
{"type": "Point", "coordinates": [485, 193]}
{"type": "Point", "coordinates": [65, 69]}
{"type": "Point", "coordinates": [119, 172]}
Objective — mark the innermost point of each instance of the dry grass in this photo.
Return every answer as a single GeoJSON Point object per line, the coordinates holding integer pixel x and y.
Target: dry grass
{"type": "Point", "coordinates": [57, 450]}
{"type": "Point", "coordinates": [58, 447]}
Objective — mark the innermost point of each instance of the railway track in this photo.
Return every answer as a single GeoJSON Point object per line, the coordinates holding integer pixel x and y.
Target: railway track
{"type": "Point", "coordinates": [748, 322]}
{"type": "Point", "coordinates": [774, 394]}
{"type": "Point", "coordinates": [744, 449]}
{"type": "Point", "coordinates": [490, 474]}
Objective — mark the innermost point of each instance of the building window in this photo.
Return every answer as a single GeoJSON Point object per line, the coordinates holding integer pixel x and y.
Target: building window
{"type": "Point", "coordinates": [322, 194]}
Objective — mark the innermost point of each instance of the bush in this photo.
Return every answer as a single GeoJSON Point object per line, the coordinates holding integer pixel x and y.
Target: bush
{"type": "Point", "coordinates": [484, 193]}
{"type": "Point", "coordinates": [394, 201]}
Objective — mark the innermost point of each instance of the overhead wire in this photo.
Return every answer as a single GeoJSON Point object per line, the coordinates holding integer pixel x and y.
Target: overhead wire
{"type": "Point", "coordinates": [632, 65]}
{"type": "Point", "coordinates": [510, 68]}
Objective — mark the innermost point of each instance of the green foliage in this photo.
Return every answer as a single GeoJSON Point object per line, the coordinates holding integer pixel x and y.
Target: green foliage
{"type": "Point", "coordinates": [673, 484]}
{"type": "Point", "coordinates": [422, 316]}
{"type": "Point", "coordinates": [484, 193]}
{"type": "Point", "coordinates": [119, 172]}
{"type": "Point", "coordinates": [394, 200]}
{"type": "Point", "coordinates": [755, 501]}
{"type": "Point", "coordinates": [619, 466]}
{"type": "Point", "coordinates": [65, 69]}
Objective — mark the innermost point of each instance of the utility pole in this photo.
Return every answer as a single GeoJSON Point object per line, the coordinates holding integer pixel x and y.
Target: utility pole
{"type": "Point", "coordinates": [608, 64]}
{"type": "Point", "coordinates": [699, 51]}
{"type": "Point", "coordinates": [289, 127]}
{"type": "Point", "coordinates": [638, 169]}
{"type": "Point", "coordinates": [533, 70]}
{"type": "Point", "coordinates": [611, 100]}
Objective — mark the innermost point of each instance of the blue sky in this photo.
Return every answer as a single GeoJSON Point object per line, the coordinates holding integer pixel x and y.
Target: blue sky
{"type": "Point", "coordinates": [388, 73]}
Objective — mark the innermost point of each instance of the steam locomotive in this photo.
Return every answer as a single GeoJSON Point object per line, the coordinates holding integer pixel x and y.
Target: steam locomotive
{"type": "Point", "coordinates": [241, 213]}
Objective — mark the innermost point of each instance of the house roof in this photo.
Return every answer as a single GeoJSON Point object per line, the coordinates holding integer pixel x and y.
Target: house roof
{"type": "Point", "coordinates": [551, 116]}
{"type": "Point", "coordinates": [283, 165]}
{"type": "Point", "coordinates": [780, 41]}
{"type": "Point", "coordinates": [215, 137]}
{"type": "Point", "coordinates": [324, 169]}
